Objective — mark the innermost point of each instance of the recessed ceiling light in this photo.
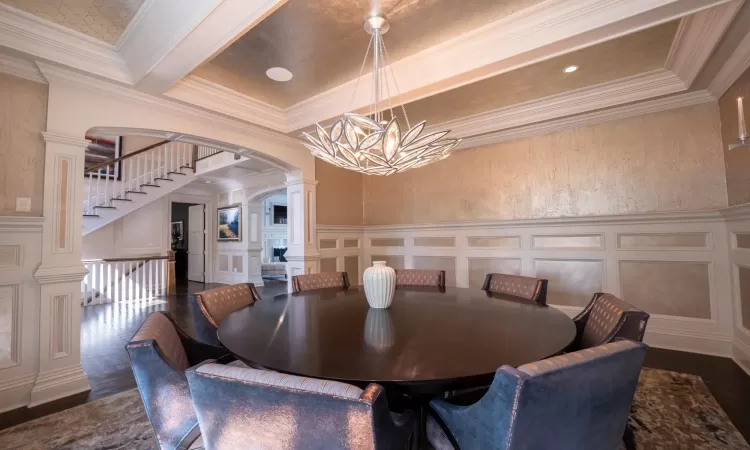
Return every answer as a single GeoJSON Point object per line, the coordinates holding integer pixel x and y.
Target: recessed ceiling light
{"type": "Point", "coordinates": [279, 74]}
{"type": "Point", "coordinates": [570, 69]}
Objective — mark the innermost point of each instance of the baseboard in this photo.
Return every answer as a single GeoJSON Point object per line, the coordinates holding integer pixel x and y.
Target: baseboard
{"type": "Point", "coordinates": [741, 355]}
{"type": "Point", "coordinates": [14, 393]}
{"type": "Point", "coordinates": [705, 344]}
{"type": "Point", "coordinates": [58, 383]}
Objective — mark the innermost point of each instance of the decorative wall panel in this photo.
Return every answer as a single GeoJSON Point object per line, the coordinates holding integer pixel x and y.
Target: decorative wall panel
{"type": "Point", "coordinates": [327, 243]}
{"type": "Point", "coordinates": [223, 199]}
{"type": "Point", "coordinates": [386, 242]}
{"type": "Point", "coordinates": [446, 263]}
{"type": "Point", "coordinates": [494, 241]}
{"type": "Point", "coordinates": [587, 241]}
{"type": "Point", "coordinates": [662, 240]}
{"type": "Point", "coordinates": [667, 288]}
{"type": "Point", "coordinates": [237, 265]}
{"type": "Point", "coordinates": [743, 240]}
{"type": "Point", "coordinates": [9, 325]}
{"type": "Point", "coordinates": [60, 332]}
{"type": "Point", "coordinates": [223, 263]}
{"type": "Point", "coordinates": [328, 264]}
{"type": "Point", "coordinates": [394, 261]}
{"type": "Point", "coordinates": [10, 256]}
{"type": "Point", "coordinates": [351, 243]}
{"type": "Point", "coordinates": [443, 241]}
{"type": "Point", "coordinates": [63, 220]}
{"type": "Point", "coordinates": [480, 267]}
{"type": "Point", "coordinates": [238, 196]}
{"type": "Point", "coordinates": [745, 295]}
{"type": "Point", "coordinates": [571, 282]}
{"type": "Point", "coordinates": [635, 165]}
{"type": "Point", "coordinates": [351, 267]}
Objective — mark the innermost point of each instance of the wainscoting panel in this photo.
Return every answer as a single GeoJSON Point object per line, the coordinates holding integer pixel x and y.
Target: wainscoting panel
{"type": "Point", "coordinates": [327, 244]}
{"type": "Point", "coordinates": [328, 265]}
{"type": "Point", "coordinates": [622, 255]}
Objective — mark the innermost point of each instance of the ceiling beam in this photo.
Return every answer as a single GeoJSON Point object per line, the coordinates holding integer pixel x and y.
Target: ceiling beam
{"type": "Point", "coordinates": [737, 63]}
{"type": "Point", "coordinates": [168, 39]}
{"type": "Point", "coordinates": [543, 31]}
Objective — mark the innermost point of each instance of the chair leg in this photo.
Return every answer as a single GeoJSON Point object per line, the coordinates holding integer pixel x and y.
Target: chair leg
{"type": "Point", "coordinates": [628, 438]}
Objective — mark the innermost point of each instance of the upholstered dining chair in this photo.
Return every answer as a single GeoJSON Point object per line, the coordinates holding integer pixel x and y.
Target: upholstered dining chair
{"type": "Point", "coordinates": [309, 282]}
{"type": "Point", "coordinates": [209, 308]}
{"type": "Point", "coordinates": [576, 401]}
{"type": "Point", "coordinates": [159, 361]}
{"type": "Point", "coordinates": [416, 277]}
{"type": "Point", "coordinates": [524, 288]}
{"type": "Point", "coordinates": [249, 408]}
{"type": "Point", "coordinates": [607, 318]}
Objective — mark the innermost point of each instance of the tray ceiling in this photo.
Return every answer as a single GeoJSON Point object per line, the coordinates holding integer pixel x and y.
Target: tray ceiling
{"type": "Point", "coordinates": [105, 20]}
{"type": "Point", "coordinates": [323, 42]}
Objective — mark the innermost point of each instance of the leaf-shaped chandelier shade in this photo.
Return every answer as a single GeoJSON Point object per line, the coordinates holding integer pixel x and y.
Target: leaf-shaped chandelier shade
{"type": "Point", "coordinates": [375, 144]}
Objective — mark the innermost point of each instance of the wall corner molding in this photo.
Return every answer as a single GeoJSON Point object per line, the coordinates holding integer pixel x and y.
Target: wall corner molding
{"type": "Point", "coordinates": [67, 274]}
{"type": "Point", "coordinates": [58, 383]}
{"type": "Point", "coordinates": [20, 68]}
{"type": "Point", "coordinates": [736, 212]}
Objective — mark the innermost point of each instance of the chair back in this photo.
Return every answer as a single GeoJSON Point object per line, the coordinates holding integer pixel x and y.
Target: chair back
{"type": "Point", "coordinates": [323, 280]}
{"type": "Point", "coordinates": [159, 362]}
{"type": "Point", "coordinates": [526, 288]}
{"type": "Point", "coordinates": [207, 309]}
{"type": "Point", "coordinates": [607, 318]}
{"type": "Point", "coordinates": [576, 401]}
{"type": "Point", "coordinates": [416, 277]}
{"type": "Point", "coordinates": [250, 408]}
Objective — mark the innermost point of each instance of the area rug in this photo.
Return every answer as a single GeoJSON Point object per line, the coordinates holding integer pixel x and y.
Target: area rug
{"type": "Point", "coordinates": [671, 411]}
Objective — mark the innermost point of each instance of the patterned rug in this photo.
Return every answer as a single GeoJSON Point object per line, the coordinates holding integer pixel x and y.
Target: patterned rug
{"type": "Point", "coordinates": [671, 411]}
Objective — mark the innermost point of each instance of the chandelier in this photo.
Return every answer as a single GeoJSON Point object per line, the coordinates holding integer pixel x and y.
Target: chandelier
{"type": "Point", "coordinates": [375, 144]}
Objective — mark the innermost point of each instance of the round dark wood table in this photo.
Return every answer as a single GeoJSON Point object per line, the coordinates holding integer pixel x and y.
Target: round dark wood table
{"type": "Point", "coordinates": [428, 342]}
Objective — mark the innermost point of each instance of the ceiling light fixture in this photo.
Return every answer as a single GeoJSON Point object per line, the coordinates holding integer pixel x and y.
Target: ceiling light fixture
{"type": "Point", "coordinates": [279, 74]}
{"type": "Point", "coordinates": [570, 69]}
{"type": "Point", "coordinates": [374, 144]}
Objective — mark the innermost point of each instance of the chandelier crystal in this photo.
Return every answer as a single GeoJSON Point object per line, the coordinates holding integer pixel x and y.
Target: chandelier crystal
{"type": "Point", "coordinates": [376, 144]}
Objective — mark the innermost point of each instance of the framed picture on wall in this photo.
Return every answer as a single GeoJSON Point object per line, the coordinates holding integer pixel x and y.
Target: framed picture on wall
{"type": "Point", "coordinates": [229, 223]}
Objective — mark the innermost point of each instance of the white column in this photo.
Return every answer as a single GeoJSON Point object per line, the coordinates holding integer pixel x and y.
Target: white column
{"type": "Point", "coordinates": [302, 250]}
{"type": "Point", "coordinates": [60, 272]}
{"type": "Point", "coordinates": [254, 241]}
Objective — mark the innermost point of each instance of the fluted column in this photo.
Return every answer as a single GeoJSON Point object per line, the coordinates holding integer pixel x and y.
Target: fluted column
{"type": "Point", "coordinates": [302, 250]}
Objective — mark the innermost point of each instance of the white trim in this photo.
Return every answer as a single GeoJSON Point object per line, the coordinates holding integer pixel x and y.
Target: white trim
{"type": "Point", "coordinates": [134, 22]}
{"type": "Point", "coordinates": [21, 224]}
{"type": "Point", "coordinates": [20, 68]}
{"type": "Point", "coordinates": [203, 93]}
{"type": "Point", "coordinates": [50, 275]}
{"type": "Point", "coordinates": [63, 139]}
{"type": "Point", "coordinates": [41, 38]}
{"type": "Point", "coordinates": [58, 383]}
{"type": "Point", "coordinates": [741, 355]}
{"type": "Point", "coordinates": [14, 392]}
{"type": "Point", "coordinates": [625, 90]}
{"type": "Point", "coordinates": [737, 63]}
{"type": "Point", "coordinates": [591, 118]}
{"type": "Point", "coordinates": [737, 212]}
{"type": "Point", "coordinates": [696, 38]}
{"type": "Point", "coordinates": [688, 341]}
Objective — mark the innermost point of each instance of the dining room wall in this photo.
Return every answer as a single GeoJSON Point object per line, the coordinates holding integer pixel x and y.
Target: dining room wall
{"type": "Point", "coordinates": [23, 116]}
{"type": "Point", "coordinates": [737, 162]}
{"type": "Point", "coordinates": [338, 195]}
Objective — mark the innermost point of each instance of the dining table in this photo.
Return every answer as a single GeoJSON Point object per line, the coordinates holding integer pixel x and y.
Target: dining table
{"type": "Point", "coordinates": [428, 342]}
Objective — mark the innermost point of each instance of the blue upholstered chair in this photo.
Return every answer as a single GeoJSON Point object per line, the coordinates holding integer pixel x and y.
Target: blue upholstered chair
{"type": "Point", "coordinates": [249, 408]}
{"type": "Point", "coordinates": [607, 318]}
{"type": "Point", "coordinates": [159, 362]}
{"type": "Point", "coordinates": [576, 401]}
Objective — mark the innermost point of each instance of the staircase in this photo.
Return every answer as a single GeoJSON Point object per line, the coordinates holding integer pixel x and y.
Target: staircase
{"type": "Point", "coordinates": [118, 187]}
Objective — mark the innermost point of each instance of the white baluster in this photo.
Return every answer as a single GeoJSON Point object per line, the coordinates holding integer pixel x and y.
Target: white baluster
{"type": "Point", "coordinates": [151, 279]}
{"type": "Point", "coordinates": [109, 282]}
{"type": "Point", "coordinates": [152, 166]}
{"type": "Point", "coordinates": [142, 287]}
{"type": "Point", "coordinates": [106, 184]}
{"type": "Point", "coordinates": [115, 283]}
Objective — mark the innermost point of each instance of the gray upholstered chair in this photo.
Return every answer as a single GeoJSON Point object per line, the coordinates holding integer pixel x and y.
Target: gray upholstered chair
{"type": "Point", "coordinates": [576, 401]}
{"type": "Point", "coordinates": [523, 288]}
{"type": "Point", "coordinates": [209, 308]}
{"type": "Point", "coordinates": [415, 277]}
{"type": "Point", "coordinates": [249, 408]}
{"type": "Point", "coordinates": [607, 318]}
{"type": "Point", "coordinates": [323, 280]}
{"type": "Point", "coordinates": [159, 361]}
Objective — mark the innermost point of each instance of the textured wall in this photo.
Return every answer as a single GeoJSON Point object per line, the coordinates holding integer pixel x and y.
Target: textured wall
{"type": "Point", "coordinates": [339, 195]}
{"type": "Point", "coordinates": [23, 116]}
{"type": "Point", "coordinates": [658, 162]}
{"type": "Point", "coordinates": [737, 161]}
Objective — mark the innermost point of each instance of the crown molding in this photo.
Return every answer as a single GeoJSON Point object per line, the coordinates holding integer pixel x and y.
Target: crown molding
{"type": "Point", "coordinates": [616, 113]}
{"type": "Point", "coordinates": [737, 63]}
{"type": "Point", "coordinates": [605, 95]}
{"type": "Point", "coordinates": [63, 139]}
{"type": "Point", "coordinates": [135, 23]}
{"type": "Point", "coordinates": [20, 68]}
{"type": "Point", "coordinates": [537, 33]}
{"type": "Point", "coordinates": [206, 94]}
{"type": "Point", "coordinates": [696, 38]}
{"type": "Point", "coordinates": [737, 212]}
{"type": "Point", "coordinates": [40, 38]}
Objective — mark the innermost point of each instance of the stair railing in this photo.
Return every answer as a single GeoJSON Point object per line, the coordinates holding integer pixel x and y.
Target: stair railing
{"type": "Point", "coordinates": [114, 181]}
{"type": "Point", "coordinates": [124, 279]}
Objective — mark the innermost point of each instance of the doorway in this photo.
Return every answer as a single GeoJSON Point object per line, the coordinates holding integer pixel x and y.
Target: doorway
{"type": "Point", "coordinates": [188, 241]}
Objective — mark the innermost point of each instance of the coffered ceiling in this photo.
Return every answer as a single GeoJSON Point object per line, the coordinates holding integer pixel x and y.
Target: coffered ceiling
{"type": "Point", "coordinates": [323, 42]}
{"type": "Point", "coordinates": [101, 19]}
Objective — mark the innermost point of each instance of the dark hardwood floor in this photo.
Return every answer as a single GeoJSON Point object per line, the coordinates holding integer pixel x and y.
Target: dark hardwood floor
{"type": "Point", "coordinates": [105, 329]}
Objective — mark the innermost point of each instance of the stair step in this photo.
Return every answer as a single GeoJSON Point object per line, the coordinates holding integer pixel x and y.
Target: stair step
{"type": "Point", "coordinates": [165, 179]}
{"type": "Point", "coordinates": [136, 192]}
{"type": "Point", "coordinates": [186, 167]}
{"type": "Point", "coordinates": [105, 207]}
{"type": "Point", "coordinates": [176, 173]}
{"type": "Point", "coordinates": [91, 215]}
{"type": "Point", "coordinates": [120, 200]}
{"type": "Point", "coordinates": [150, 185]}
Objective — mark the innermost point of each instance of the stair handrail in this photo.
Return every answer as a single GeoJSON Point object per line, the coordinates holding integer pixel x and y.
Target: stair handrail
{"type": "Point", "coordinates": [126, 259]}
{"type": "Point", "coordinates": [124, 157]}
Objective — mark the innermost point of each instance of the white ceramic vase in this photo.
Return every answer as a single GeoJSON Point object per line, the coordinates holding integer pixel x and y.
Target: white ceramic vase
{"type": "Point", "coordinates": [380, 284]}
